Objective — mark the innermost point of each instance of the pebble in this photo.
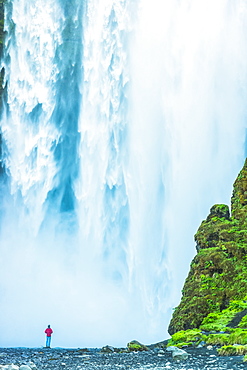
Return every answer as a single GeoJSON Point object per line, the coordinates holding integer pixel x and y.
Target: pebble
{"type": "Point", "coordinates": [71, 359]}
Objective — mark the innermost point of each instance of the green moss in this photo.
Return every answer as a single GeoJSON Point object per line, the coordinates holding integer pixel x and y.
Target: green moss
{"type": "Point", "coordinates": [184, 344]}
{"type": "Point", "coordinates": [218, 339]}
{"type": "Point", "coordinates": [216, 321]}
{"type": "Point", "coordinates": [243, 322]}
{"type": "Point", "coordinates": [238, 305]}
{"type": "Point", "coordinates": [134, 346]}
{"type": "Point", "coordinates": [237, 337]}
{"type": "Point", "coordinates": [186, 338]}
{"type": "Point", "coordinates": [232, 350]}
{"type": "Point", "coordinates": [230, 339]}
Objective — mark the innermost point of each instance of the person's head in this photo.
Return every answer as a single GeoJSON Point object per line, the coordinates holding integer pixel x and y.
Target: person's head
{"type": "Point", "coordinates": [49, 326]}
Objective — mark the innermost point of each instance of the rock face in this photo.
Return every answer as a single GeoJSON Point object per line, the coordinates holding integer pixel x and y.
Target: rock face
{"type": "Point", "coordinates": [218, 273]}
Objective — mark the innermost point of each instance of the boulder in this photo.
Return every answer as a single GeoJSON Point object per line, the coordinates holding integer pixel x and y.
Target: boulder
{"type": "Point", "coordinates": [171, 348]}
{"type": "Point", "coordinates": [178, 354]}
{"type": "Point", "coordinates": [107, 349]}
{"type": "Point", "coordinates": [134, 345]}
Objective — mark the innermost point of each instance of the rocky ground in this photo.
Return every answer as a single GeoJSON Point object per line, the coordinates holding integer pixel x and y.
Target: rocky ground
{"type": "Point", "coordinates": [80, 359]}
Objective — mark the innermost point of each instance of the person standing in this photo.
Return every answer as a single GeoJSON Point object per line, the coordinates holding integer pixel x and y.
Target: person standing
{"type": "Point", "coordinates": [48, 333]}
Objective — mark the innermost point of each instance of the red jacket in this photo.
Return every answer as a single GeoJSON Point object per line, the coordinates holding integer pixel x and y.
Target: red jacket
{"type": "Point", "coordinates": [48, 332]}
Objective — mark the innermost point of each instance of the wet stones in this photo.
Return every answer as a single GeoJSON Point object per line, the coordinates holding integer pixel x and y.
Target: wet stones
{"type": "Point", "coordinates": [178, 354]}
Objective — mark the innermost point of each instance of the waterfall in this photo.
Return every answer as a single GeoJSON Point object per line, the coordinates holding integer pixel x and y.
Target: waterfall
{"type": "Point", "coordinates": [189, 104]}
{"type": "Point", "coordinates": [123, 123]}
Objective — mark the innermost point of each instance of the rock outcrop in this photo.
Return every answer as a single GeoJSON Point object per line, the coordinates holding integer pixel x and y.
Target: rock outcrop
{"type": "Point", "coordinates": [218, 273]}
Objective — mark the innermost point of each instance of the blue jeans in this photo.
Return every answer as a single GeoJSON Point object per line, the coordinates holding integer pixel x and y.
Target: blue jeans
{"type": "Point", "coordinates": [48, 341]}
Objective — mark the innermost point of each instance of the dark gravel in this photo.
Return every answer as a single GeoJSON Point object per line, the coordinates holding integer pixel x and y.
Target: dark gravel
{"type": "Point", "coordinates": [76, 359]}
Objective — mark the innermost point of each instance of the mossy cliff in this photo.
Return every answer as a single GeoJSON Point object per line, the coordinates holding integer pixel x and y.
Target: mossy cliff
{"type": "Point", "coordinates": [218, 273]}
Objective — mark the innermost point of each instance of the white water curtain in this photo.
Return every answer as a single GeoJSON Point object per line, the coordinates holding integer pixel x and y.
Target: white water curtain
{"type": "Point", "coordinates": [125, 122]}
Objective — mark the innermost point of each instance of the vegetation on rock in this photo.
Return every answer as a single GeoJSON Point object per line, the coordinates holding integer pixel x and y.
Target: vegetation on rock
{"type": "Point", "coordinates": [134, 345]}
{"type": "Point", "coordinates": [186, 338]}
{"type": "Point", "coordinates": [232, 350]}
{"type": "Point", "coordinates": [214, 296]}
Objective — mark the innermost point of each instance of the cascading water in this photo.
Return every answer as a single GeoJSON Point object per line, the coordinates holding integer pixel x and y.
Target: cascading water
{"type": "Point", "coordinates": [123, 123]}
